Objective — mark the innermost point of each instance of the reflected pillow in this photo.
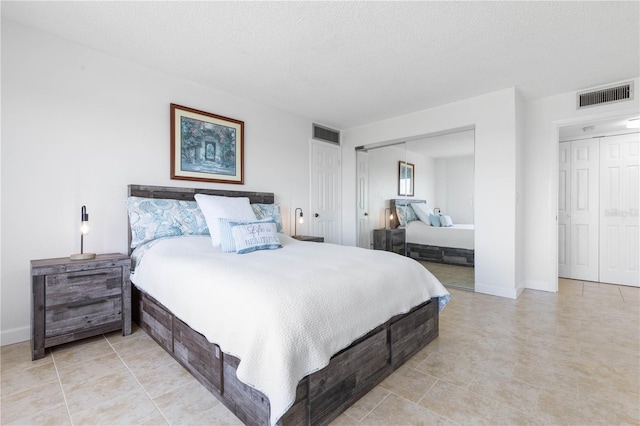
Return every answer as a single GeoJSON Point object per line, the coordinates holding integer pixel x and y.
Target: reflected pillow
{"type": "Point", "coordinates": [446, 220]}
{"type": "Point", "coordinates": [405, 214]}
{"type": "Point", "coordinates": [215, 207]}
{"type": "Point", "coordinates": [423, 211]}
{"type": "Point", "coordinates": [434, 219]}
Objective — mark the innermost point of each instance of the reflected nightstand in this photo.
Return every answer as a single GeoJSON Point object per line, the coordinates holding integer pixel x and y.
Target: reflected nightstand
{"type": "Point", "coordinates": [389, 240]}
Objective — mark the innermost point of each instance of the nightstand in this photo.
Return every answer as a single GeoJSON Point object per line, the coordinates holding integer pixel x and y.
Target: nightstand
{"type": "Point", "coordinates": [75, 299]}
{"type": "Point", "coordinates": [389, 240]}
{"type": "Point", "coordinates": [309, 238]}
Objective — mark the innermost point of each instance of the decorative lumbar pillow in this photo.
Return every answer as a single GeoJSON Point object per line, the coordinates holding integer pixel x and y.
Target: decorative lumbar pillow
{"type": "Point", "coordinates": [445, 220]}
{"type": "Point", "coordinates": [151, 218]}
{"type": "Point", "coordinates": [435, 219]}
{"type": "Point", "coordinates": [423, 212]}
{"type": "Point", "coordinates": [215, 207]}
{"type": "Point", "coordinates": [264, 211]}
{"type": "Point", "coordinates": [227, 242]}
{"type": "Point", "coordinates": [254, 236]}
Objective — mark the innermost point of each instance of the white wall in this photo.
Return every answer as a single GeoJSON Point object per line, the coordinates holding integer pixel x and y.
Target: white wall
{"type": "Point", "coordinates": [494, 117]}
{"type": "Point", "coordinates": [542, 118]}
{"type": "Point", "coordinates": [454, 188]}
{"type": "Point", "coordinates": [79, 125]}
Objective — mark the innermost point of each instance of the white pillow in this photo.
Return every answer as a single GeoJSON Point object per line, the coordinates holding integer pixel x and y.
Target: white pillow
{"type": "Point", "coordinates": [445, 220]}
{"type": "Point", "coordinates": [215, 207]}
{"type": "Point", "coordinates": [422, 211]}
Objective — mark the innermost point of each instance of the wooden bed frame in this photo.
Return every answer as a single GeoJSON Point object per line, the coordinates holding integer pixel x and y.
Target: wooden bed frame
{"type": "Point", "coordinates": [437, 254]}
{"type": "Point", "coordinates": [321, 396]}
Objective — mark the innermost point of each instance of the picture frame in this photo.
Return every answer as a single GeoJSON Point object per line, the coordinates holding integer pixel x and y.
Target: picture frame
{"type": "Point", "coordinates": [206, 147]}
{"type": "Point", "coordinates": [406, 178]}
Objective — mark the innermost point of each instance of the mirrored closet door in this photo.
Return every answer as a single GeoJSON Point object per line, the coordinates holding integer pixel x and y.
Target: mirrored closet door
{"type": "Point", "coordinates": [415, 198]}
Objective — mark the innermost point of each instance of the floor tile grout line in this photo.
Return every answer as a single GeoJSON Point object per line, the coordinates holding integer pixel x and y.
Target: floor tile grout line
{"type": "Point", "coordinates": [64, 396]}
{"type": "Point", "coordinates": [137, 381]}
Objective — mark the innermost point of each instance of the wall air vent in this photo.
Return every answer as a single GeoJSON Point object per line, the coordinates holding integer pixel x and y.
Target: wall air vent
{"type": "Point", "coordinates": [326, 134]}
{"type": "Point", "coordinates": [607, 95]}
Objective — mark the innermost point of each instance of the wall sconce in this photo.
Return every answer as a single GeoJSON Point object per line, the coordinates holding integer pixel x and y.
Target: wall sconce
{"type": "Point", "coordinates": [84, 230]}
{"type": "Point", "coordinates": [390, 216]}
{"type": "Point", "coordinates": [300, 220]}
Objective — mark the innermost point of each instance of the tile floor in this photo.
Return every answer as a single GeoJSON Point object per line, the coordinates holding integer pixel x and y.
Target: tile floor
{"type": "Point", "coordinates": [571, 358]}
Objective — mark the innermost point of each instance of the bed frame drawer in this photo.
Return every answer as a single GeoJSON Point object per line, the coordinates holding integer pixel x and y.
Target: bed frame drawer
{"type": "Point", "coordinates": [194, 350]}
{"type": "Point", "coordinates": [409, 333]}
{"type": "Point", "coordinates": [348, 376]}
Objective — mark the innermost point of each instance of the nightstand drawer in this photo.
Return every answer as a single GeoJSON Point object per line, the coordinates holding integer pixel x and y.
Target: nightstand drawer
{"type": "Point", "coordinates": [82, 314]}
{"type": "Point", "coordinates": [76, 299]}
{"type": "Point", "coordinates": [70, 287]}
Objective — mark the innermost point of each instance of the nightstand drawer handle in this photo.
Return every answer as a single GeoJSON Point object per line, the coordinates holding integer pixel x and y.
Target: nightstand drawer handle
{"type": "Point", "coordinates": [81, 275]}
{"type": "Point", "coordinates": [85, 303]}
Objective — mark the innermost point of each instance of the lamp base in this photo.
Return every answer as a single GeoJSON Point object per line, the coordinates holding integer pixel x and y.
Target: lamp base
{"type": "Point", "coordinates": [82, 256]}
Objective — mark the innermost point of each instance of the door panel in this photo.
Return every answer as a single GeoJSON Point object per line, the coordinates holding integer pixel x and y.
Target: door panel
{"type": "Point", "coordinates": [619, 192]}
{"type": "Point", "coordinates": [362, 218]}
{"type": "Point", "coordinates": [325, 191]}
{"type": "Point", "coordinates": [584, 181]}
{"type": "Point", "coordinates": [564, 210]}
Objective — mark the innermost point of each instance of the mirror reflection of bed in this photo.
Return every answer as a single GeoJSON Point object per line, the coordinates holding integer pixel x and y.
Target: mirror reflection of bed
{"type": "Point", "coordinates": [444, 181]}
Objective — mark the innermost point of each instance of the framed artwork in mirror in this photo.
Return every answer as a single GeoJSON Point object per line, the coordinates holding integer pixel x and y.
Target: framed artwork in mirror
{"type": "Point", "coordinates": [406, 178]}
{"type": "Point", "coordinates": [206, 147]}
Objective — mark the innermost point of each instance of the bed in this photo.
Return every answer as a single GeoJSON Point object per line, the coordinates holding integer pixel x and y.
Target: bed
{"type": "Point", "coordinates": [451, 244]}
{"type": "Point", "coordinates": [337, 376]}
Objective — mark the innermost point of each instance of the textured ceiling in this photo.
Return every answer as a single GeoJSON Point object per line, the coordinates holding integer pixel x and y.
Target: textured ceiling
{"type": "Point", "coordinates": [344, 64]}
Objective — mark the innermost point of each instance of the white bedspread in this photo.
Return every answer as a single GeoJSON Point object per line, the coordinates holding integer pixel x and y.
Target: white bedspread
{"type": "Point", "coordinates": [458, 236]}
{"type": "Point", "coordinates": [283, 312]}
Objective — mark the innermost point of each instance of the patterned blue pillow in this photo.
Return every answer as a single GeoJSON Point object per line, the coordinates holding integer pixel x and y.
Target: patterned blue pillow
{"type": "Point", "coordinates": [254, 236]}
{"type": "Point", "coordinates": [264, 211]}
{"type": "Point", "coordinates": [405, 214]}
{"type": "Point", "coordinates": [151, 219]}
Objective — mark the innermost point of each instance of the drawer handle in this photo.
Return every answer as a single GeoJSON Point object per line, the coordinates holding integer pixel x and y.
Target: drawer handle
{"type": "Point", "coordinates": [85, 303]}
{"type": "Point", "coordinates": [74, 276]}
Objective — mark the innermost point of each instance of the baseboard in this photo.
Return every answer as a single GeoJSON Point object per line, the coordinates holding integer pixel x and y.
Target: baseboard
{"type": "Point", "coordinates": [15, 335]}
{"type": "Point", "coordinates": [510, 293]}
{"type": "Point", "coordinates": [539, 285]}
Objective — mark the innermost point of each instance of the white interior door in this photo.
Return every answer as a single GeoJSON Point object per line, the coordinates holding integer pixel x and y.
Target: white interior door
{"type": "Point", "coordinates": [584, 214]}
{"type": "Point", "coordinates": [325, 191]}
{"type": "Point", "coordinates": [619, 205]}
{"type": "Point", "coordinates": [362, 208]}
{"type": "Point", "coordinates": [564, 210]}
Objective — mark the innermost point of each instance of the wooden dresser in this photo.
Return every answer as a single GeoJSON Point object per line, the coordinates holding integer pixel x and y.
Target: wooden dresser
{"type": "Point", "coordinates": [75, 299]}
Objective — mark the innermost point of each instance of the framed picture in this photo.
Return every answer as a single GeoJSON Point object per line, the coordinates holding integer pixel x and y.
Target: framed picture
{"type": "Point", "coordinates": [206, 147]}
{"type": "Point", "coordinates": [406, 177]}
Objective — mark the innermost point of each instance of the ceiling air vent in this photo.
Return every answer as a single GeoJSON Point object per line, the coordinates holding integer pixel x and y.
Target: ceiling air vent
{"type": "Point", "coordinates": [607, 95]}
{"type": "Point", "coordinates": [326, 134]}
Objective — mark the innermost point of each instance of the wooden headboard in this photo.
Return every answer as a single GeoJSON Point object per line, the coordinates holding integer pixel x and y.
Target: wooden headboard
{"type": "Point", "coordinates": [394, 223]}
{"type": "Point", "coordinates": [188, 194]}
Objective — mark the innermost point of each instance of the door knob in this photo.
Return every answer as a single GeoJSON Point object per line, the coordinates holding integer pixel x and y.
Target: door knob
{"type": "Point", "coordinates": [366, 214]}
{"type": "Point", "coordinates": [316, 215]}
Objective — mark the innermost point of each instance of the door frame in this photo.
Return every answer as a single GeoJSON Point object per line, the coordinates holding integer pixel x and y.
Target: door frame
{"type": "Point", "coordinates": [555, 137]}
{"type": "Point", "coordinates": [313, 142]}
